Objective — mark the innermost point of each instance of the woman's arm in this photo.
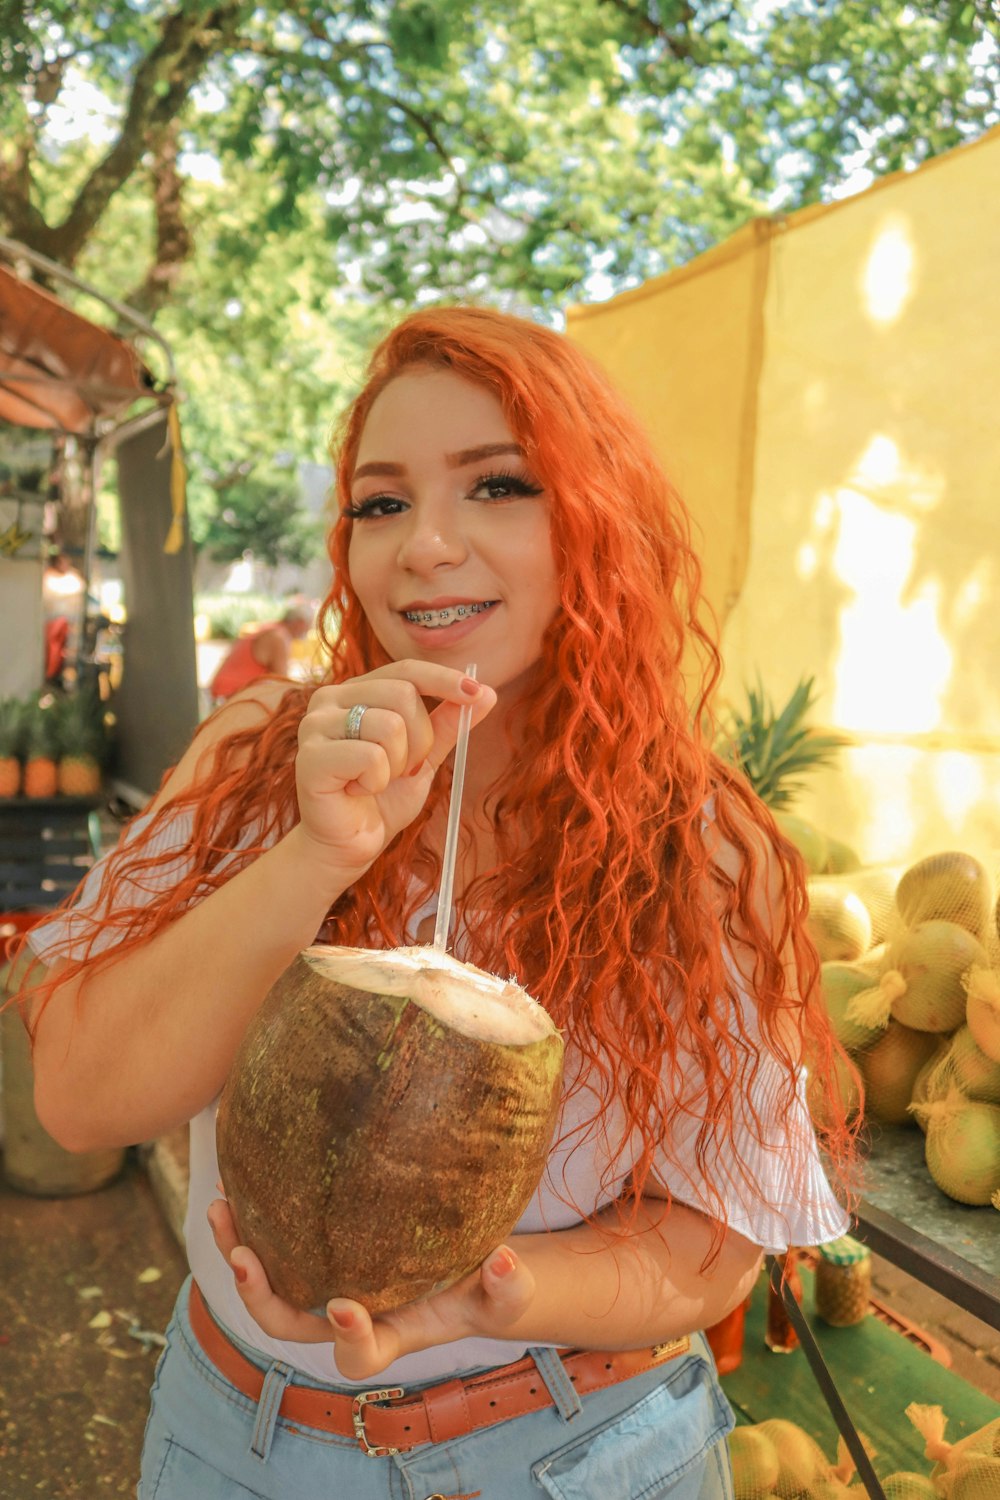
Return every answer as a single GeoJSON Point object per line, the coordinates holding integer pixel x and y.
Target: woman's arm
{"type": "Point", "coordinates": [144, 1042]}
{"type": "Point", "coordinates": [584, 1287]}
{"type": "Point", "coordinates": [644, 1287]}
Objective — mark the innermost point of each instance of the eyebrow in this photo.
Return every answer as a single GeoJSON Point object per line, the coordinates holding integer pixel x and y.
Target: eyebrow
{"type": "Point", "coordinates": [453, 460]}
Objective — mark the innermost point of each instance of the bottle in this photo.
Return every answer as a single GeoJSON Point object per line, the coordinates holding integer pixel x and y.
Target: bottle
{"type": "Point", "coordinates": [779, 1334]}
{"type": "Point", "coordinates": [843, 1282]}
{"type": "Point", "coordinates": [725, 1339]}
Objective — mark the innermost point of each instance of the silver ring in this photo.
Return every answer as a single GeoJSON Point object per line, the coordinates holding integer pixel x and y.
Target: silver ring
{"type": "Point", "coordinates": [354, 717]}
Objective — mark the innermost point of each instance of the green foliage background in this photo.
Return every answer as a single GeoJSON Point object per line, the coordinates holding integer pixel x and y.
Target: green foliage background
{"type": "Point", "coordinates": [273, 183]}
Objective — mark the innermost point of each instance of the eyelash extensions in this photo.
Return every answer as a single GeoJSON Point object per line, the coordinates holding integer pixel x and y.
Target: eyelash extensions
{"type": "Point", "coordinates": [517, 484]}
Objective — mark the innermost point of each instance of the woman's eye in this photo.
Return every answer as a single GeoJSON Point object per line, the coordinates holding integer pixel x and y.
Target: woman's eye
{"type": "Point", "coordinates": [372, 508]}
{"type": "Point", "coordinates": [505, 486]}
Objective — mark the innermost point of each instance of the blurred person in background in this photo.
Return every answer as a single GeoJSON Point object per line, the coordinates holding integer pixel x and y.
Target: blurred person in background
{"type": "Point", "coordinates": [62, 594]}
{"type": "Point", "coordinates": [266, 651]}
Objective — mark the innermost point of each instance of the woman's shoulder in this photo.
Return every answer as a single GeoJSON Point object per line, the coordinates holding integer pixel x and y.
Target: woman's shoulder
{"type": "Point", "coordinates": [235, 726]}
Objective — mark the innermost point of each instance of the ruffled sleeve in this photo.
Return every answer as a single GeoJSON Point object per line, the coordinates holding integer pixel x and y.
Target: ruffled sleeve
{"type": "Point", "coordinates": [768, 1173]}
{"type": "Point", "coordinates": [781, 1197]}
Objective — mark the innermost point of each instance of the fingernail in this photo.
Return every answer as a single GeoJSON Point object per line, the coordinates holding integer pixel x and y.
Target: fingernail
{"type": "Point", "coordinates": [470, 687]}
{"type": "Point", "coordinates": [502, 1263]}
{"type": "Point", "coordinates": [241, 1273]}
{"type": "Point", "coordinates": [343, 1317]}
{"type": "Point", "coordinates": [417, 769]}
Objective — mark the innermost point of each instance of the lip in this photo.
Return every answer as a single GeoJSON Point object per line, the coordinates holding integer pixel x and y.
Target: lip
{"type": "Point", "coordinates": [445, 602]}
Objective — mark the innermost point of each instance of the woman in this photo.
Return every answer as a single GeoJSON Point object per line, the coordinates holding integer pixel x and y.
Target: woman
{"type": "Point", "coordinates": [499, 505]}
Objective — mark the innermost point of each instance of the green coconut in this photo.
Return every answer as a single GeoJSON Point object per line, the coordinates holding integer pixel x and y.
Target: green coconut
{"type": "Point", "coordinates": [932, 959]}
{"type": "Point", "coordinates": [839, 983]}
{"type": "Point", "coordinates": [975, 1477]}
{"type": "Point", "coordinates": [801, 1460]}
{"type": "Point", "coordinates": [889, 1070]}
{"type": "Point", "coordinates": [966, 1066]}
{"type": "Point", "coordinates": [948, 887]}
{"type": "Point", "coordinates": [755, 1463]}
{"type": "Point", "coordinates": [905, 1485]}
{"type": "Point", "coordinates": [811, 843]}
{"type": "Point", "coordinates": [982, 1009]}
{"type": "Point", "coordinates": [876, 885]}
{"type": "Point", "coordinates": [818, 1093]}
{"type": "Point", "coordinates": [838, 921]}
{"type": "Point", "coordinates": [385, 1123]}
{"type": "Point", "coordinates": [963, 1147]}
{"type": "Point", "coordinates": [947, 1458]}
{"type": "Point", "coordinates": [840, 857]}
{"type": "Point", "coordinates": [927, 1085]}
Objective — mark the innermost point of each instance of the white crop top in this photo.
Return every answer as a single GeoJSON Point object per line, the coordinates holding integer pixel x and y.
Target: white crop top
{"type": "Point", "coordinates": [794, 1206]}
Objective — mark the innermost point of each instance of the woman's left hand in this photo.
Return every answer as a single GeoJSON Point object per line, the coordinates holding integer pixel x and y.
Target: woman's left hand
{"type": "Point", "coordinates": [484, 1304]}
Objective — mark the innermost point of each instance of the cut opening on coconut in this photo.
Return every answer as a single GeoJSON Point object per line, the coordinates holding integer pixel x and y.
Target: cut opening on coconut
{"type": "Point", "coordinates": [469, 1000]}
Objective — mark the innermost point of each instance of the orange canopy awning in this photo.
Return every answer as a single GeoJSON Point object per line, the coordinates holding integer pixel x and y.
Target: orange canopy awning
{"type": "Point", "coordinates": [57, 369]}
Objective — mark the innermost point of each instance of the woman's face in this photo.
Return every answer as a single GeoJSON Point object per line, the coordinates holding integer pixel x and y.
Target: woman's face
{"type": "Point", "coordinates": [450, 553]}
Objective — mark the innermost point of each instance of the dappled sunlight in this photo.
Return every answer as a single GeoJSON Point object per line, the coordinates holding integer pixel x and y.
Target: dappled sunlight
{"type": "Point", "coordinates": [884, 778]}
{"type": "Point", "coordinates": [888, 276]}
{"type": "Point", "coordinates": [894, 662]}
{"type": "Point", "coordinates": [847, 494]}
{"type": "Point", "coordinates": [959, 783]}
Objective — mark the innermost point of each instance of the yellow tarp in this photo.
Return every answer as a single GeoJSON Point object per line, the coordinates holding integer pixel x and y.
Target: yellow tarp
{"type": "Point", "coordinates": [825, 390]}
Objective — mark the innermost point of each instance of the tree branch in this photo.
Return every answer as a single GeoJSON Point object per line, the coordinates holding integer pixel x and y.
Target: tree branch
{"type": "Point", "coordinates": [680, 46]}
{"type": "Point", "coordinates": [160, 89]}
{"type": "Point", "coordinates": [173, 239]}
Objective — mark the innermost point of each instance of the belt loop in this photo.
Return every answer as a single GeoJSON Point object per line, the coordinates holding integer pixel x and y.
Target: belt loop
{"type": "Point", "coordinates": [560, 1387]}
{"type": "Point", "coordinates": [268, 1407]}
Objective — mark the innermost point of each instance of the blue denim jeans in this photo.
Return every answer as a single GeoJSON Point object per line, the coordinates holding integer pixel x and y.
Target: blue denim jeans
{"type": "Point", "coordinates": [659, 1434]}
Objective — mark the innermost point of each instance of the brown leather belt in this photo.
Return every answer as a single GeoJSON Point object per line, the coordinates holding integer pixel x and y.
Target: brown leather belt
{"type": "Point", "coordinates": [436, 1414]}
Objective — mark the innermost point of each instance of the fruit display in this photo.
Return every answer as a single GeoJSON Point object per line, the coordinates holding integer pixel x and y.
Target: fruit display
{"type": "Point", "coordinates": [919, 1011]}
{"type": "Point", "coordinates": [52, 745]}
{"type": "Point", "coordinates": [11, 736]}
{"type": "Point", "coordinates": [778, 1460]}
{"type": "Point", "coordinates": [385, 1122]}
{"type": "Point", "coordinates": [40, 751]}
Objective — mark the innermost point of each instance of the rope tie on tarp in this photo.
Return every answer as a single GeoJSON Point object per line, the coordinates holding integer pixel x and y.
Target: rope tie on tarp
{"type": "Point", "coordinates": [178, 482]}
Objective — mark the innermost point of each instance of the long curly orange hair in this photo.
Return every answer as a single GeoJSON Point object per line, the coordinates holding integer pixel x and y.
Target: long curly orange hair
{"type": "Point", "coordinates": [604, 902]}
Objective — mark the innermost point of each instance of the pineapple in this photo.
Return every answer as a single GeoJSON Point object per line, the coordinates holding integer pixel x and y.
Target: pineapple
{"type": "Point", "coordinates": [11, 726]}
{"type": "Point", "coordinates": [774, 750]}
{"type": "Point", "coordinates": [81, 744]}
{"type": "Point", "coordinates": [40, 750]}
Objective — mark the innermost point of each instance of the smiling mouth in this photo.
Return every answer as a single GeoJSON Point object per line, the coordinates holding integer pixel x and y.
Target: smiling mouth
{"type": "Point", "coordinates": [437, 619]}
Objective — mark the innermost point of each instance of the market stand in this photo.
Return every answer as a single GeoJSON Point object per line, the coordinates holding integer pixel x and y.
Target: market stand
{"type": "Point", "coordinates": [67, 381]}
{"type": "Point", "coordinates": [951, 1247]}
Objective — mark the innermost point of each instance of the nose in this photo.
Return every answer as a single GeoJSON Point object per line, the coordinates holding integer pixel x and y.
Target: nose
{"type": "Point", "coordinates": [432, 539]}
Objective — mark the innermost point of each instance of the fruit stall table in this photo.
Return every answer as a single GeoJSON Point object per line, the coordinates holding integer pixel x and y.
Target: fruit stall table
{"type": "Point", "coordinates": [47, 844]}
{"type": "Point", "coordinates": [877, 1370]}
{"type": "Point", "coordinates": [904, 1217]}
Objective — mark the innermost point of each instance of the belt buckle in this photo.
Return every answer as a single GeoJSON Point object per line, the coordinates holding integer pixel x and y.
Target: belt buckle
{"type": "Point", "coordinates": [670, 1349]}
{"type": "Point", "coordinates": [358, 1419]}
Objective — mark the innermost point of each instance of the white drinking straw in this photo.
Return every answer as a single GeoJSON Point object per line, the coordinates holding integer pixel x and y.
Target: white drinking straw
{"type": "Point", "coordinates": [443, 919]}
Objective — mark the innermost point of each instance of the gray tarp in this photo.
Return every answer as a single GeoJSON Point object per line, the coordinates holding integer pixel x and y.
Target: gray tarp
{"type": "Point", "coordinates": [157, 704]}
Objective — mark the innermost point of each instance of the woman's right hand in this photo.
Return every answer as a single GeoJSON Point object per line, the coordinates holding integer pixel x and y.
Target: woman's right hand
{"type": "Point", "coordinates": [355, 795]}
